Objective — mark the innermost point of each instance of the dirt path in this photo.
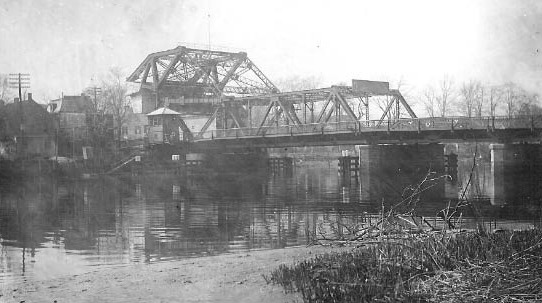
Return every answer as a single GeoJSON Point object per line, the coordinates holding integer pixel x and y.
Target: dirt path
{"type": "Point", "coordinates": [224, 278]}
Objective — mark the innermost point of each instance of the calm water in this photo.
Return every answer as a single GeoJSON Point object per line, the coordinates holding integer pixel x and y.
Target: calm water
{"type": "Point", "coordinates": [50, 228]}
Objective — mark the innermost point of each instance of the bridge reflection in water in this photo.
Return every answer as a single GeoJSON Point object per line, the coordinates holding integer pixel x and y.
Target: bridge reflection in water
{"type": "Point", "coordinates": [51, 228]}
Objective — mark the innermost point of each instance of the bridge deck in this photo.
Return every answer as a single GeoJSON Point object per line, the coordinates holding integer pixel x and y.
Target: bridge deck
{"type": "Point", "coordinates": [420, 128]}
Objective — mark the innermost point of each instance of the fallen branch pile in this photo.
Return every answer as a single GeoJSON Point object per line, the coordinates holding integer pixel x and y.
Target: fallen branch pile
{"type": "Point", "coordinates": [436, 267]}
{"type": "Point", "coordinates": [403, 257]}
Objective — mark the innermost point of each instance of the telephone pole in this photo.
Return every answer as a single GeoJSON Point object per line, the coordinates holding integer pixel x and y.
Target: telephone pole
{"type": "Point", "coordinates": [20, 81]}
{"type": "Point", "coordinates": [96, 91]}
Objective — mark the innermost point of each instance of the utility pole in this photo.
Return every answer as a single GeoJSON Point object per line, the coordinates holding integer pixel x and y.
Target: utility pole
{"type": "Point", "coordinates": [94, 90]}
{"type": "Point", "coordinates": [20, 81]}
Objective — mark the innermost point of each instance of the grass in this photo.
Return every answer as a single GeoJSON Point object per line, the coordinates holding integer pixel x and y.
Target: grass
{"type": "Point", "coordinates": [429, 267]}
{"type": "Point", "coordinates": [403, 258]}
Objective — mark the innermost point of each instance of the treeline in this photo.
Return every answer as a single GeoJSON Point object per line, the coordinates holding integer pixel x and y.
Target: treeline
{"type": "Point", "coordinates": [474, 99]}
{"type": "Point", "coordinates": [447, 98]}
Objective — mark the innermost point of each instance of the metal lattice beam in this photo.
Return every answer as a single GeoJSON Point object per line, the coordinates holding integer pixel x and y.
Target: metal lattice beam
{"type": "Point", "coordinates": [218, 72]}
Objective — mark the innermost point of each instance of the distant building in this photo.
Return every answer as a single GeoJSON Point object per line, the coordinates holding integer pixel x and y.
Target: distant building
{"type": "Point", "coordinates": [133, 130]}
{"type": "Point", "coordinates": [71, 104]}
{"type": "Point", "coordinates": [79, 124]}
{"type": "Point", "coordinates": [143, 101]}
{"type": "Point", "coordinates": [71, 112]}
{"type": "Point", "coordinates": [27, 130]}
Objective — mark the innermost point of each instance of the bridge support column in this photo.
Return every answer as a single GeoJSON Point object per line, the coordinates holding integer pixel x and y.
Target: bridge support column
{"type": "Point", "coordinates": [515, 173]}
{"type": "Point", "coordinates": [369, 170]}
{"type": "Point", "coordinates": [386, 170]}
{"type": "Point", "coordinates": [497, 174]}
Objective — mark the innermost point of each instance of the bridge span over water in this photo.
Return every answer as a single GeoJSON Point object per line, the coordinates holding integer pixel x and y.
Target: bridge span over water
{"type": "Point", "coordinates": [222, 99]}
{"type": "Point", "coordinates": [402, 131]}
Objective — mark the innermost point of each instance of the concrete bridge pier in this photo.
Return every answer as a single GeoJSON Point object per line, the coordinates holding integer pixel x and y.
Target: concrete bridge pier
{"type": "Point", "coordinates": [386, 170]}
{"type": "Point", "coordinates": [515, 173]}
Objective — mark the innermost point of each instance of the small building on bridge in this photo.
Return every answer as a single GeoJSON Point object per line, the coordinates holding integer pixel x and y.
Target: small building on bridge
{"type": "Point", "coordinates": [170, 127]}
{"type": "Point", "coordinates": [166, 127]}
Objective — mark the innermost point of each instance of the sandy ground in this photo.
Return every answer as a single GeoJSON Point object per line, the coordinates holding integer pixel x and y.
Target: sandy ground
{"type": "Point", "coordinates": [223, 278]}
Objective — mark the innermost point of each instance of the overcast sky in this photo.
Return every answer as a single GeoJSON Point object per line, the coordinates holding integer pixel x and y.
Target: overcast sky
{"type": "Point", "coordinates": [64, 44]}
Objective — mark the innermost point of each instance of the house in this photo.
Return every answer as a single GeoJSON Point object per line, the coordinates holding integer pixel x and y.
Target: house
{"type": "Point", "coordinates": [79, 124]}
{"type": "Point", "coordinates": [133, 130]}
{"type": "Point", "coordinates": [71, 104]}
{"type": "Point", "coordinates": [71, 113]}
{"type": "Point", "coordinates": [27, 130]}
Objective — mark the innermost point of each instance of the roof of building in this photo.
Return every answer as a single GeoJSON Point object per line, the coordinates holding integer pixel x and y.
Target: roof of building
{"type": "Point", "coordinates": [71, 104]}
{"type": "Point", "coordinates": [163, 111]}
{"type": "Point", "coordinates": [36, 119]}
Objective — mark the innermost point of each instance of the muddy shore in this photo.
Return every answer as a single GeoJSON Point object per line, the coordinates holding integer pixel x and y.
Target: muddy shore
{"type": "Point", "coordinates": [223, 278]}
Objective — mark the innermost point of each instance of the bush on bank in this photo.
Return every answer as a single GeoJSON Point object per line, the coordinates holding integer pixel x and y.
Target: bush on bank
{"type": "Point", "coordinates": [431, 267]}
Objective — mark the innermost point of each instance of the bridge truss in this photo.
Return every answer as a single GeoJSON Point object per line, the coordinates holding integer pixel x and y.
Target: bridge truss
{"type": "Point", "coordinates": [267, 113]}
{"type": "Point", "coordinates": [201, 73]}
{"type": "Point", "coordinates": [235, 94]}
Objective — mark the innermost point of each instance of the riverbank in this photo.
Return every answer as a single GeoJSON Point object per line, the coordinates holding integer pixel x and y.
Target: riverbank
{"type": "Point", "coordinates": [473, 266]}
{"type": "Point", "coordinates": [223, 278]}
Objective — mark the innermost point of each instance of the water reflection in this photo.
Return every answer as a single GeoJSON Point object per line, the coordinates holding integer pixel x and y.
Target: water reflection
{"type": "Point", "coordinates": [50, 228]}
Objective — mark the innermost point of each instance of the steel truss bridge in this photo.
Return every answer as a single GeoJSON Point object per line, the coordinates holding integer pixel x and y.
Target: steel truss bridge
{"type": "Point", "coordinates": [201, 73]}
{"type": "Point", "coordinates": [249, 110]}
{"type": "Point", "coordinates": [404, 131]}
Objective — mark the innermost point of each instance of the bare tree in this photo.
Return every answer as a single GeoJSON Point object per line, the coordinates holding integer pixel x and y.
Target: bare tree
{"type": "Point", "coordinates": [471, 98]}
{"type": "Point", "coordinates": [509, 98]}
{"type": "Point", "coordinates": [479, 101]}
{"type": "Point", "coordinates": [400, 85]}
{"type": "Point", "coordinates": [429, 101]}
{"type": "Point", "coordinates": [535, 108]}
{"type": "Point", "coordinates": [114, 99]}
{"type": "Point", "coordinates": [6, 94]}
{"type": "Point", "coordinates": [494, 98]}
{"type": "Point", "coordinates": [518, 101]}
{"type": "Point", "coordinates": [444, 95]}
{"type": "Point", "coordinates": [528, 104]}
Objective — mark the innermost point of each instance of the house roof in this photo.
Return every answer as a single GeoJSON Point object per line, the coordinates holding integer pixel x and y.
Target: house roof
{"type": "Point", "coordinates": [72, 104]}
{"type": "Point", "coordinates": [36, 119]}
{"type": "Point", "coordinates": [163, 111]}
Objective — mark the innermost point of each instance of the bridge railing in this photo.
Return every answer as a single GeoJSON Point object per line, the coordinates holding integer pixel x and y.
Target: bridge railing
{"type": "Point", "coordinates": [419, 124]}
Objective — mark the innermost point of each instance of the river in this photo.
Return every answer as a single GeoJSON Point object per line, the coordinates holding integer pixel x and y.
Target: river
{"type": "Point", "coordinates": [55, 227]}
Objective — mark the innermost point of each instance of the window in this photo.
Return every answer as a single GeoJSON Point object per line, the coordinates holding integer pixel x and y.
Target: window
{"type": "Point", "coordinates": [124, 130]}
{"type": "Point", "coordinates": [138, 130]}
